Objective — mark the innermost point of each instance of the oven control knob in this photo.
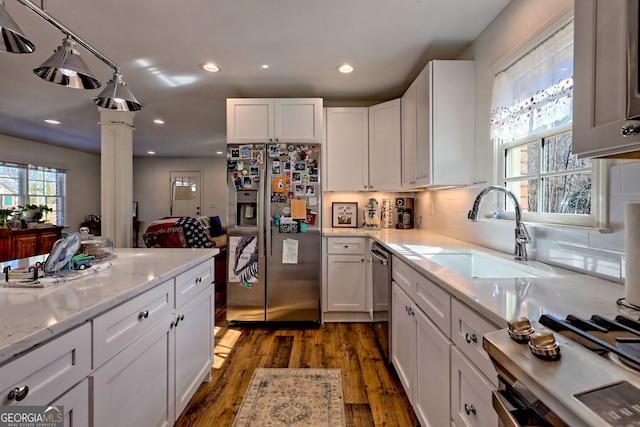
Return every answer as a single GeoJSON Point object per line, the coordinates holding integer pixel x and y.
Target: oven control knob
{"type": "Point", "coordinates": [544, 345]}
{"type": "Point", "coordinates": [520, 329]}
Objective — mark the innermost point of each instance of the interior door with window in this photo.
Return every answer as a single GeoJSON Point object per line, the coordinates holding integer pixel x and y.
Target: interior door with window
{"type": "Point", "coordinates": [185, 194]}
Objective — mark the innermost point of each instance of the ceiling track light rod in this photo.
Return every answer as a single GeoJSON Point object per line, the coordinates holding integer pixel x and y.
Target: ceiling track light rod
{"type": "Point", "coordinates": [53, 21]}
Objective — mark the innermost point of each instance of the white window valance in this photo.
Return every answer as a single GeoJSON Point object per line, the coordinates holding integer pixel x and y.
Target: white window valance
{"type": "Point", "coordinates": [535, 93]}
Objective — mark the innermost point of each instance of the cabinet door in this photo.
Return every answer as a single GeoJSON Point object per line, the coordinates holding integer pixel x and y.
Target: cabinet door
{"type": "Point", "coordinates": [76, 405]}
{"type": "Point", "coordinates": [403, 336]}
{"type": "Point", "coordinates": [431, 404]}
{"type": "Point", "coordinates": [423, 126]}
{"type": "Point", "coordinates": [47, 239]}
{"type": "Point", "coordinates": [471, 404]}
{"type": "Point", "coordinates": [194, 346]}
{"type": "Point", "coordinates": [600, 79]}
{"type": "Point", "coordinates": [385, 160]}
{"type": "Point", "coordinates": [445, 123]}
{"type": "Point", "coordinates": [136, 387]}
{"type": "Point", "coordinates": [26, 246]}
{"type": "Point", "coordinates": [347, 149]}
{"type": "Point", "coordinates": [250, 120]}
{"type": "Point", "coordinates": [408, 113]}
{"type": "Point", "coordinates": [298, 120]}
{"type": "Point", "coordinates": [346, 278]}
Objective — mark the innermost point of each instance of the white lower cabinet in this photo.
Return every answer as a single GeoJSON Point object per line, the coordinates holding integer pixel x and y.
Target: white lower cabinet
{"type": "Point", "coordinates": [136, 386]}
{"type": "Point", "coordinates": [420, 355]}
{"type": "Point", "coordinates": [403, 336]}
{"type": "Point", "coordinates": [470, 394]}
{"type": "Point", "coordinates": [150, 382]}
{"type": "Point", "coordinates": [137, 364]}
{"type": "Point", "coordinates": [193, 346]}
{"type": "Point", "coordinates": [76, 405]}
{"type": "Point", "coordinates": [437, 353]}
{"type": "Point", "coordinates": [346, 284]}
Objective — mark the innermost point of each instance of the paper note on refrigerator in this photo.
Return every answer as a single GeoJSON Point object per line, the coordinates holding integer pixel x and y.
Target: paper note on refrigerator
{"type": "Point", "coordinates": [298, 209]}
{"type": "Point", "coordinates": [289, 251]}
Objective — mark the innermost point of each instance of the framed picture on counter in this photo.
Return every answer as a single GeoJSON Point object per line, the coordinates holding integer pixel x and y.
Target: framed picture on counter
{"type": "Point", "coordinates": [344, 214]}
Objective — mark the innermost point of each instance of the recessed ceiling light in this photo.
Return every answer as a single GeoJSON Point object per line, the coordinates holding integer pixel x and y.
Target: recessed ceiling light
{"type": "Point", "coordinates": [158, 121]}
{"type": "Point", "coordinates": [345, 68]}
{"type": "Point", "coordinates": [151, 152]}
{"type": "Point", "coordinates": [265, 66]}
{"type": "Point", "coordinates": [52, 122]}
{"type": "Point", "coordinates": [218, 152]}
{"type": "Point", "coordinates": [210, 67]}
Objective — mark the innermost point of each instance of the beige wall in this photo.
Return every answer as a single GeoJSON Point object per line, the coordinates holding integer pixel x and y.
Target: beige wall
{"type": "Point", "coordinates": [151, 185]}
{"type": "Point", "coordinates": [83, 173]}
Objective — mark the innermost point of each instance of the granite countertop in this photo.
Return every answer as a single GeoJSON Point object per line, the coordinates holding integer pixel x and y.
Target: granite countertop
{"type": "Point", "coordinates": [502, 299]}
{"type": "Point", "coordinates": [30, 316]}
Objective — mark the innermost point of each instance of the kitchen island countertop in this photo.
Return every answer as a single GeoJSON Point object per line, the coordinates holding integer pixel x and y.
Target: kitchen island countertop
{"type": "Point", "coordinates": [31, 316]}
{"type": "Point", "coordinates": [499, 299]}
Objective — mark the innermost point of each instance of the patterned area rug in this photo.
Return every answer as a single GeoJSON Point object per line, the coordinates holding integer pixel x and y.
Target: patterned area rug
{"type": "Point", "coordinates": [292, 398]}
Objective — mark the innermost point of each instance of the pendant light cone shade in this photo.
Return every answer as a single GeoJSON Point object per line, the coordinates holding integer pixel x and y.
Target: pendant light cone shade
{"type": "Point", "coordinates": [66, 68]}
{"type": "Point", "coordinates": [12, 39]}
{"type": "Point", "coordinates": [117, 96]}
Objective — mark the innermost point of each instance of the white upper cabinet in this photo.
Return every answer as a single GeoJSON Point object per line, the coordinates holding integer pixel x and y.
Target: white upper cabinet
{"type": "Point", "coordinates": [385, 146]}
{"type": "Point", "coordinates": [600, 79]}
{"type": "Point", "coordinates": [347, 149]}
{"type": "Point", "coordinates": [261, 120]}
{"type": "Point", "coordinates": [439, 126]}
{"type": "Point", "coordinates": [363, 148]}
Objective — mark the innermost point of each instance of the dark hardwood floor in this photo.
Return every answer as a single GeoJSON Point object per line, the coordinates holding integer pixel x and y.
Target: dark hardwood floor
{"type": "Point", "coordinates": [372, 393]}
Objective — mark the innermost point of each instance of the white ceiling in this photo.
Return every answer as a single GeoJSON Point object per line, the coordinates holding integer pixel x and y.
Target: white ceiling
{"type": "Point", "coordinates": [159, 44]}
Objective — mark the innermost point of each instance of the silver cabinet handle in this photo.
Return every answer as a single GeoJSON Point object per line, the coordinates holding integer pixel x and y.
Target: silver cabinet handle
{"type": "Point", "coordinates": [18, 393]}
{"type": "Point", "coordinates": [471, 338]}
{"type": "Point", "coordinates": [179, 318]}
{"type": "Point", "coordinates": [469, 409]}
{"type": "Point", "coordinates": [143, 314]}
{"type": "Point", "coordinates": [629, 129]}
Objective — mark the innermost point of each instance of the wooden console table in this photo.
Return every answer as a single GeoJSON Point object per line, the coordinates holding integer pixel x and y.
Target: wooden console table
{"type": "Point", "coordinates": [28, 242]}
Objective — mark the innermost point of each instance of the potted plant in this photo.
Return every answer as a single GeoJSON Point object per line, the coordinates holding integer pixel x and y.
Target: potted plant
{"type": "Point", "coordinates": [35, 212]}
{"type": "Point", "coordinates": [5, 213]}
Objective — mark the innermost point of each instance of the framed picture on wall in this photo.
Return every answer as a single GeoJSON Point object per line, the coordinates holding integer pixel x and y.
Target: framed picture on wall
{"type": "Point", "coordinates": [344, 214]}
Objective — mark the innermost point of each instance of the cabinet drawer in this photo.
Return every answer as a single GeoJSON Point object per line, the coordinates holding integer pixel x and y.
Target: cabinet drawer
{"type": "Point", "coordinates": [346, 245]}
{"type": "Point", "coordinates": [192, 282]}
{"type": "Point", "coordinates": [434, 301]}
{"type": "Point", "coordinates": [119, 327]}
{"type": "Point", "coordinates": [49, 370]}
{"type": "Point", "coordinates": [402, 274]}
{"type": "Point", "coordinates": [468, 328]}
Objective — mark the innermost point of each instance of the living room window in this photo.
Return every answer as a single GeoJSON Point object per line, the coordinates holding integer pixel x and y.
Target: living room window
{"type": "Point", "coordinates": [531, 127]}
{"type": "Point", "coordinates": [22, 184]}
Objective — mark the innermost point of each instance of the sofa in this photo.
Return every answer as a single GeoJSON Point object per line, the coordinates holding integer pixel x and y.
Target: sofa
{"type": "Point", "coordinates": [190, 232]}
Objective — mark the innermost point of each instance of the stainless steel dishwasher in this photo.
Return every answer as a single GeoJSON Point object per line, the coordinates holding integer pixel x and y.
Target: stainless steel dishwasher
{"type": "Point", "coordinates": [381, 261]}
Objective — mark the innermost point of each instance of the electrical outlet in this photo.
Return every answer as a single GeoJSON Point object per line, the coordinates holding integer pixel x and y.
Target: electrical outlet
{"type": "Point", "coordinates": [430, 208]}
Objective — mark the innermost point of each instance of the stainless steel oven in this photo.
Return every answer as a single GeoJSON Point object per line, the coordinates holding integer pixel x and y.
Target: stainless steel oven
{"type": "Point", "coordinates": [567, 372]}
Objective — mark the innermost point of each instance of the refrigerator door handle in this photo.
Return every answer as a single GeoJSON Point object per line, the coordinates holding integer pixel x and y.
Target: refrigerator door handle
{"type": "Point", "coordinates": [264, 203]}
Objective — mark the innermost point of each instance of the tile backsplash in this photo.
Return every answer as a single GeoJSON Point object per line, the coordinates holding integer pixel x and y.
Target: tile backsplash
{"type": "Point", "coordinates": [579, 249]}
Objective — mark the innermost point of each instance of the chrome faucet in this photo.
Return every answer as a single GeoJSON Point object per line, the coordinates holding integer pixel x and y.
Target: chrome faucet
{"type": "Point", "coordinates": [522, 235]}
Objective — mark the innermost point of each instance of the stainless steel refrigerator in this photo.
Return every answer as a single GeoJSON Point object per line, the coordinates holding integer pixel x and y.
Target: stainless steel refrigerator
{"type": "Point", "coordinates": [274, 233]}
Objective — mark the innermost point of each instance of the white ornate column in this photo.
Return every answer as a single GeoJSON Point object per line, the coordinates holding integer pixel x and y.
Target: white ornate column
{"type": "Point", "coordinates": [116, 162]}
